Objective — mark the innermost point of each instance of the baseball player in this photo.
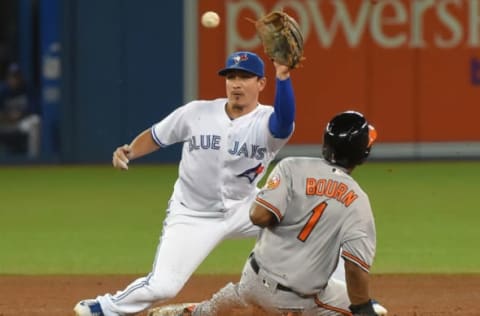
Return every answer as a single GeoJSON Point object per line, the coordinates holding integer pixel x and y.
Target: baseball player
{"type": "Point", "coordinates": [228, 144]}
{"type": "Point", "coordinates": [312, 210]}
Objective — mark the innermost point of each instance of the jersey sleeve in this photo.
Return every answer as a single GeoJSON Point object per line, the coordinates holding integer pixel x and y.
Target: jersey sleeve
{"type": "Point", "coordinates": [283, 116]}
{"type": "Point", "coordinates": [173, 128]}
{"type": "Point", "coordinates": [359, 242]}
{"type": "Point", "coordinates": [360, 251]}
{"type": "Point", "coordinates": [275, 194]}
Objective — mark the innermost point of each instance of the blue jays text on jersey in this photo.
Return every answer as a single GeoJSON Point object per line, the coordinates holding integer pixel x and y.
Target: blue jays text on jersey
{"type": "Point", "coordinates": [252, 151]}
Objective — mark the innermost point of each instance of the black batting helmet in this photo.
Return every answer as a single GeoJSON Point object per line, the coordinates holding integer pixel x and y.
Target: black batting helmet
{"type": "Point", "coordinates": [347, 139]}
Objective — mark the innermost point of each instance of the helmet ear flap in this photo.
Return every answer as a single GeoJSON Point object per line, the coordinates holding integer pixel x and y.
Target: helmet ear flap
{"type": "Point", "coordinates": [328, 154]}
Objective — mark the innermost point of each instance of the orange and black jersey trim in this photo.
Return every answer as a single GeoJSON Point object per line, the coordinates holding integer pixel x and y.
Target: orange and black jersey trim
{"type": "Point", "coordinates": [359, 262]}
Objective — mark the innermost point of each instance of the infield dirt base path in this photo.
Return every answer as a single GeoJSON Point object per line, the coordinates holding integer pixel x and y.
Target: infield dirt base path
{"type": "Point", "coordinates": [403, 295]}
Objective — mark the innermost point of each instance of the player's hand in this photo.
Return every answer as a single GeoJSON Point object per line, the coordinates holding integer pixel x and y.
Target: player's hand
{"type": "Point", "coordinates": [121, 156]}
{"type": "Point", "coordinates": [282, 72]}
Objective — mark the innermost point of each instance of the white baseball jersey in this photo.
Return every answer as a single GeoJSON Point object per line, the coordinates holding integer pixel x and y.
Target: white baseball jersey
{"type": "Point", "coordinates": [207, 180]}
{"type": "Point", "coordinates": [320, 208]}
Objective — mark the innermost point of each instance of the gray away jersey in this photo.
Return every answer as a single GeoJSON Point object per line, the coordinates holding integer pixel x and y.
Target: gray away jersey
{"type": "Point", "coordinates": [320, 209]}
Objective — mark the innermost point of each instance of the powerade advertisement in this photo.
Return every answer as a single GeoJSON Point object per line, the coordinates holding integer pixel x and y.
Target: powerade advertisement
{"type": "Point", "coordinates": [413, 67]}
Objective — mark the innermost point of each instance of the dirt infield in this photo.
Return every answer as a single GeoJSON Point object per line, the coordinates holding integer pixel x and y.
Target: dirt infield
{"type": "Point", "coordinates": [403, 295]}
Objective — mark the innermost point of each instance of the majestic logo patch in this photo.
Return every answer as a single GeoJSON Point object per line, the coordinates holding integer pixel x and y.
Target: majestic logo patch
{"type": "Point", "coordinates": [252, 173]}
{"type": "Point", "coordinates": [273, 182]}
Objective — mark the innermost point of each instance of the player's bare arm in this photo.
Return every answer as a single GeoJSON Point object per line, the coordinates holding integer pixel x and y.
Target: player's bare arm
{"type": "Point", "coordinates": [261, 216]}
{"type": "Point", "coordinates": [357, 283]}
{"type": "Point", "coordinates": [142, 145]}
{"type": "Point", "coordinates": [357, 289]}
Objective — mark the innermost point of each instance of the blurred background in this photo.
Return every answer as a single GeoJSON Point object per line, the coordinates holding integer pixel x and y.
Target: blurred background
{"type": "Point", "coordinates": [81, 77]}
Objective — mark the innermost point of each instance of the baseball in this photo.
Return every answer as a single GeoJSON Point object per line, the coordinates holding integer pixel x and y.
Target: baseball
{"type": "Point", "coordinates": [210, 19]}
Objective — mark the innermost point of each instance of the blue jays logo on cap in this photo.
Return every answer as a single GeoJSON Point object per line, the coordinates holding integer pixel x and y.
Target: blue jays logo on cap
{"type": "Point", "coordinates": [246, 61]}
{"type": "Point", "coordinates": [238, 58]}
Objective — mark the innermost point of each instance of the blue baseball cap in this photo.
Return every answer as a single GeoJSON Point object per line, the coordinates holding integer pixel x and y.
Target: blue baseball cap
{"type": "Point", "coordinates": [245, 61]}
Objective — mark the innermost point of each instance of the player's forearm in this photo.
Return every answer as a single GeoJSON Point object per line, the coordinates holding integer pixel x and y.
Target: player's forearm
{"type": "Point", "coordinates": [281, 121]}
{"type": "Point", "coordinates": [261, 216]}
{"type": "Point", "coordinates": [142, 145]}
{"type": "Point", "coordinates": [357, 283]}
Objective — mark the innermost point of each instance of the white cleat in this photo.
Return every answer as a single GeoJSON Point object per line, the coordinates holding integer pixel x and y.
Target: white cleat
{"type": "Point", "coordinates": [88, 308]}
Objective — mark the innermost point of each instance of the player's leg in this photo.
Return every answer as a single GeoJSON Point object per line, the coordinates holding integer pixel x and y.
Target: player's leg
{"type": "Point", "coordinates": [333, 300]}
{"type": "Point", "coordinates": [230, 297]}
{"type": "Point", "coordinates": [221, 302]}
{"type": "Point", "coordinates": [184, 244]}
{"type": "Point", "coordinates": [237, 224]}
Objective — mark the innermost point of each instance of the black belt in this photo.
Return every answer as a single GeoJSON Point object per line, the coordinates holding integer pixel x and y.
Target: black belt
{"type": "Point", "coordinates": [256, 268]}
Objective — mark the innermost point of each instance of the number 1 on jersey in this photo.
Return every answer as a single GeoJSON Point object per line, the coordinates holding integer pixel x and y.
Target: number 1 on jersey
{"type": "Point", "coordinates": [312, 221]}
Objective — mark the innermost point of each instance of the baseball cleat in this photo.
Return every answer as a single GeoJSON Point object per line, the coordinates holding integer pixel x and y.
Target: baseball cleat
{"type": "Point", "coordinates": [187, 311]}
{"type": "Point", "coordinates": [88, 308]}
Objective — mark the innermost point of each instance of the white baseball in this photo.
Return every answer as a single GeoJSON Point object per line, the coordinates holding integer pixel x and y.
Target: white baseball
{"type": "Point", "coordinates": [210, 19]}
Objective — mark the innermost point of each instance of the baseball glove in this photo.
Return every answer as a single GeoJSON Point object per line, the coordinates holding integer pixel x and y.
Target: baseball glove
{"type": "Point", "coordinates": [281, 38]}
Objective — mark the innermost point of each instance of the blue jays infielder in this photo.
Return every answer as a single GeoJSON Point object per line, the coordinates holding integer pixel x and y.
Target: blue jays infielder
{"type": "Point", "coordinates": [228, 144]}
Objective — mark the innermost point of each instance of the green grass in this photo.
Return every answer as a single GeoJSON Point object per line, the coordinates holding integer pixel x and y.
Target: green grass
{"type": "Point", "coordinates": [94, 219]}
{"type": "Point", "coordinates": [427, 216]}
{"type": "Point", "coordinates": [82, 219]}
